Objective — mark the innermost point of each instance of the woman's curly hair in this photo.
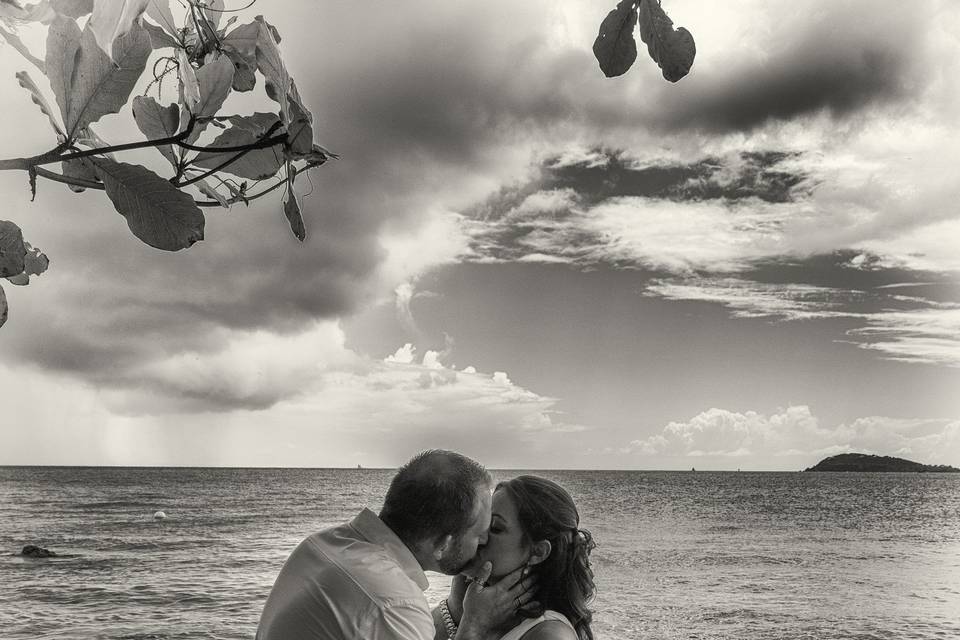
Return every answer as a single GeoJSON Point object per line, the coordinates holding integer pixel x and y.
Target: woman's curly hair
{"type": "Point", "coordinates": [564, 580]}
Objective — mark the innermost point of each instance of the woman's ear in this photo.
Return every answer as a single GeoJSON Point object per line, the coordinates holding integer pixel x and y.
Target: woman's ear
{"type": "Point", "coordinates": [539, 552]}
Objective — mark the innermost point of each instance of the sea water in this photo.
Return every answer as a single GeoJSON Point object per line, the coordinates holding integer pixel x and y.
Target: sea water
{"type": "Point", "coordinates": [680, 554]}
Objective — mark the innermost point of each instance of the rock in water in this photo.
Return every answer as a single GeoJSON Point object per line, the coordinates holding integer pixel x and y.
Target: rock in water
{"type": "Point", "coordinates": [33, 551]}
{"type": "Point", "coordinates": [159, 515]}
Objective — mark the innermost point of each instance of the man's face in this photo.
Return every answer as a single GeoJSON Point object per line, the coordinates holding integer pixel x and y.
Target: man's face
{"type": "Point", "coordinates": [464, 548]}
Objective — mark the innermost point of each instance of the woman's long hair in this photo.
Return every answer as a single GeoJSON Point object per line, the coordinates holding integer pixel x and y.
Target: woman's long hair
{"type": "Point", "coordinates": [565, 579]}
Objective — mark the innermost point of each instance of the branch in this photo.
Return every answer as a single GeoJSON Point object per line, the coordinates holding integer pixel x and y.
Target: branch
{"type": "Point", "coordinates": [260, 194]}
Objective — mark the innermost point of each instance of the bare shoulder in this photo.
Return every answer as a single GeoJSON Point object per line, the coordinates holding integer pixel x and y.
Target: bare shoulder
{"type": "Point", "coordinates": [551, 630]}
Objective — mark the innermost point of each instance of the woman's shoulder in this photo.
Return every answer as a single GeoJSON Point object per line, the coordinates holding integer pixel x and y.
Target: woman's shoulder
{"type": "Point", "coordinates": [552, 626]}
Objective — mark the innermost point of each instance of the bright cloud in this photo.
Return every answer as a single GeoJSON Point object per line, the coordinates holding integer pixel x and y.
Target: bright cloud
{"type": "Point", "coordinates": [795, 431]}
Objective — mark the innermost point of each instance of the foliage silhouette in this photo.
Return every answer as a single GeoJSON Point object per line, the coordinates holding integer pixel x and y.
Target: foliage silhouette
{"type": "Point", "coordinates": [93, 69]}
{"type": "Point", "coordinates": [615, 49]}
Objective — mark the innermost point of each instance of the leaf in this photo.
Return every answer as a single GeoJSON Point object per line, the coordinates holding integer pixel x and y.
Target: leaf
{"type": "Point", "coordinates": [672, 49]}
{"type": "Point", "coordinates": [89, 138]}
{"type": "Point", "coordinates": [17, 44]}
{"type": "Point", "coordinates": [300, 128]}
{"type": "Point", "coordinates": [615, 48]}
{"type": "Point", "coordinates": [35, 261]}
{"type": "Point", "coordinates": [12, 249]}
{"type": "Point", "coordinates": [215, 80]}
{"type": "Point", "coordinates": [159, 12]}
{"type": "Point", "coordinates": [157, 212]}
{"type": "Point", "coordinates": [156, 122]}
{"type": "Point", "coordinates": [270, 64]}
{"type": "Point", "coordinates": [241, 45]}
{"type": "Point", "coordinates": [112, 19]}
{"type": "Point", "coordinates": [159, 38]}
{"type": "Point", "coordinates": [100, 85]}
{"type": "Point", "coordinates": [3, 307]}
{"type": "Point", "coordinates": [291, 209]}
{"type": "Point", "coordinates": [63, 54]}
{"type": "Point", "coordinates": [25, 81]}
{"type": "Point", "coordinates": [189, 86]}
{"type": "Point", "coordinates": [72, 8]}
{"type": "Point", "coordinates": [214, 11]}
{"type": "Point", "coordinates": [80, 168]}
{"type": "Point", "coordinates": [257, 164]}
{"type": "Point", "coordinates": [21, 279]}
{"type": "Point", "coordinates": [204, 187]}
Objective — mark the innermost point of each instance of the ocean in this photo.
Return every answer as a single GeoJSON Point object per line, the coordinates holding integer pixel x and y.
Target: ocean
{"type": "Point", "coordinates": [680, 554]}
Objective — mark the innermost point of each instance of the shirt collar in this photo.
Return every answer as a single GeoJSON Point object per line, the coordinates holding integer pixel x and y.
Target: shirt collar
{"type": "Point", "coordinates": [375, 530]}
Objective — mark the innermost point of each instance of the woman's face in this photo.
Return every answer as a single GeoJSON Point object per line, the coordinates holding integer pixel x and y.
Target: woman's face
{"type": "Point", "coordinates": [505, 547]}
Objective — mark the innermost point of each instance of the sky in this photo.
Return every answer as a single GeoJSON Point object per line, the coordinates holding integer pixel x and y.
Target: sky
{"type": "Point", "coordinates": [519, 259]}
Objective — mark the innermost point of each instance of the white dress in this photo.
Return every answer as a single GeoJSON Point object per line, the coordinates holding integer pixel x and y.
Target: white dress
{"type": "Point", "coordinates": [517, 632]}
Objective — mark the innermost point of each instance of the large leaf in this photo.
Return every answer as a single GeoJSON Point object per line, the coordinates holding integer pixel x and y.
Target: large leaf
{"type": "Point", "coordinates": [672, 49]}
{"type": "Point", "coordinates": [615, 48]}
{"type": "Point", "coordinates": [156, 211]}
{"type": "Point", "coordinates": [3, 307]}
{"type": "Point", "coordinates": [213, 11]}
{"type": "Point", "coordinates": [159, 12]}
{"type": "Point", "coordinates": [112, 19]}
{"type": "Point", "coordinates": [189, 86]}
{"type": "Point", "coordinates": [215, 80]}
{"type": "Point", "coordinates": [300, 127]}
{"type": "Point", "coordinates": [63, 54]}
{"type": "Point", "coordinates": [156, 122]}
{"type": "Point", "coordinates": [101, 85]}
{"type": "Point", "coordinates": [12, 249]}
{"type": "Point", "coordinates": [270, 63]}
{"type": "Point", "coordinates": [255, 165]}
{"type": "Point", "coordinates": [25, 81]}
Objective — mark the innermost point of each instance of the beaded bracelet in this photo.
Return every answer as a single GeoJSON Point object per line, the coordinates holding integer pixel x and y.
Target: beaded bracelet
{"type": "Point", "coordinates": [448, 619]}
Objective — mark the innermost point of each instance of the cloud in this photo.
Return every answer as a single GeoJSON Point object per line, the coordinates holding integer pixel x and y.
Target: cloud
{"type": "Point", "coordinates": [905, 328]}
{"type": "Point", "coordinates": [795, 431]}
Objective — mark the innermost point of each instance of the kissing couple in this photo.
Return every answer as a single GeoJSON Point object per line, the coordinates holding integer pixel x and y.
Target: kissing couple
{"type": "Point", "coordinates": [520, 560]}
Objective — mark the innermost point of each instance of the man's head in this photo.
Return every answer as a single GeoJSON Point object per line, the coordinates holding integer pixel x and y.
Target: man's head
{"type": "Point", "coordinates": [439, 505]}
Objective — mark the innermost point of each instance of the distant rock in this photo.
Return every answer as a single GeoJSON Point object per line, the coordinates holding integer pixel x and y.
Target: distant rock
{"type": "Point", "coordinates": [159, 515]}
{"type": "Point", "coordinates": [866, 462]}
{"type": "Point", "coordinates": [32, 551]}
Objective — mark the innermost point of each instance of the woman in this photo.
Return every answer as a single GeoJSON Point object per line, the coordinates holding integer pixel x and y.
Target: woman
{"type": "Point", "coordinates": [534, 525]}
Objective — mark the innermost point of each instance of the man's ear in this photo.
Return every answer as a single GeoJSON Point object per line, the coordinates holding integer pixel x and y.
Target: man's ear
{"type": "Point", "coordinates": [539, 552]}
{"type": "Point", "coordinates": [442, 546]}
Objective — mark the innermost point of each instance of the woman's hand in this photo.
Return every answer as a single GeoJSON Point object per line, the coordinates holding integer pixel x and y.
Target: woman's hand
{"type": "Point", "coordinates": [487, 609]}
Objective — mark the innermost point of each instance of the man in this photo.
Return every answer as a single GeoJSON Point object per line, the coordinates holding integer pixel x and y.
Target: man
{"type": "Point", "coordinates": [364, 580]}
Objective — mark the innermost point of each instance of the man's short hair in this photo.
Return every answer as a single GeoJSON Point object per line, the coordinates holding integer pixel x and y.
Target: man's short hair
{"type": "Point", "coordinates": [434, 495]}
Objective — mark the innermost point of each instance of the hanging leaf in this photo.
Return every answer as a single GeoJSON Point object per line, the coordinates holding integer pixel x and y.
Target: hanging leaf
{"type": "Point", "coordinates": [72, 8]}
{"type": "Point", "coordinates": [12, 249]}
{"type": "Point", "coordinates": [157, 212]}
{"type": "Point", "coordinates": [257, 164]}
{"type": "Point", "coordinates": [204, 187]}
{"type": "Point", "coordinates": [615, 48]}
{"type": "Point", "coordinates": [300, 128]}
{"type": "Point", "coordinates": [215, 80]}
{"type": "Point", "coordinates": [17, 44]}
{"type": "Point", "coordinates": [291, 209]}
{"type": "Point", "coordinates": [156, 122]}
{"type": "Point", "coordinates": [100, 85]}
{"type": "Point", "coordinates": [3, 307]}
{"type": "Point", "coordinates": [672, 49]}
{"type": "Point", "coordinates": [35, 261]}
{"type": "Point", "coordinates": [80, 168]}
{"type": "Point", "coordinates": [112, 19]}
{"type": "Point", "coordinates": [25, 81]}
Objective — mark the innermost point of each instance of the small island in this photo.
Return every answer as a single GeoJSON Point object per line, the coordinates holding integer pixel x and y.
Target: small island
{"type": "Point", "coordinates": [866, 462]}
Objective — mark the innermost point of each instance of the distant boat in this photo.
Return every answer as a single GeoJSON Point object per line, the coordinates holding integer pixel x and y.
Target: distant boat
{"type": "Point", "coordinates": [692, 469]}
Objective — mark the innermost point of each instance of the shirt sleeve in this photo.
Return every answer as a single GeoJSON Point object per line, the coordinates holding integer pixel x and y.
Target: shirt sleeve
{"type": "Point", "coordinates": [402, 622]}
